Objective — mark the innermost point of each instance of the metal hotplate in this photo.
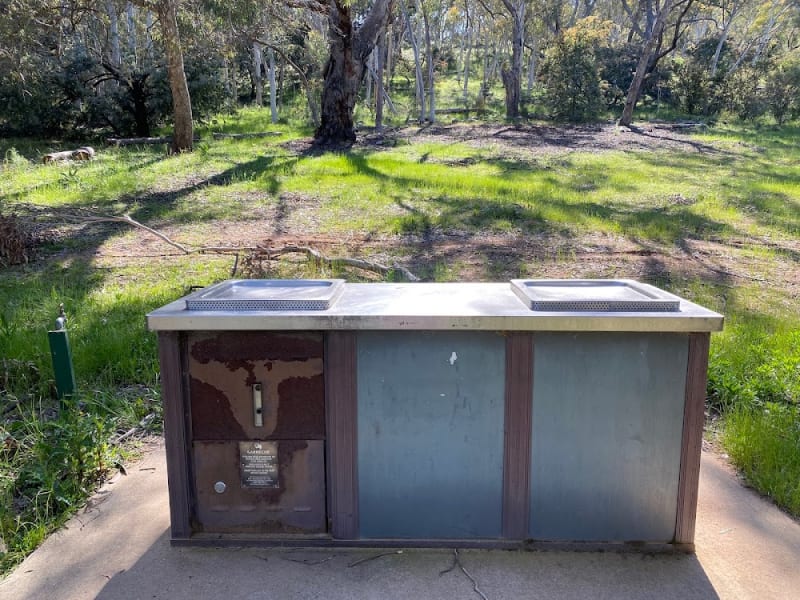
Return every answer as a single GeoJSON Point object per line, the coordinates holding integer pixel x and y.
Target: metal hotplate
{"type": "Point", "coordinates": [431, 306]}
{"type": "Point", "coordinates": [593, 295]}
{"type": "Point", "coordinates": [268, 294]}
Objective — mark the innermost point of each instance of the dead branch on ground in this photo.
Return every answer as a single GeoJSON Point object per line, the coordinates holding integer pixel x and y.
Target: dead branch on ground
{"type": "Point", "coordinates": [254, 253]}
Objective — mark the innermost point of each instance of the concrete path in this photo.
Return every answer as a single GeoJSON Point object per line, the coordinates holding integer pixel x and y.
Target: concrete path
{"type": "Point", "coordinates": [118, 549]}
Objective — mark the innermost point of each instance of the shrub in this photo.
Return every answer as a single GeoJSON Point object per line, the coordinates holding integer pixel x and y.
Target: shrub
{"type": "Point", "coordinates": [782, 91]}
{"type": "Point", "coordinates": [571, 74]}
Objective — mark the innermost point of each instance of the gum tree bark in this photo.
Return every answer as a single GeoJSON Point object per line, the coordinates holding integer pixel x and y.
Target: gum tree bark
{"type": "Point", "coordinates": [644, 61]}
{"type": "Point", "coordinates": [512, 77]}
{"type": "Point", "coordinates": [181, 101]}
{"type": "Point", "coordinates": [350, 47]}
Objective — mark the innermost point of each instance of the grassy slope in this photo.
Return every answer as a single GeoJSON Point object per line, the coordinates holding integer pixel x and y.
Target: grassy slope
{"type": "Point", "coordinates": [750, 191]}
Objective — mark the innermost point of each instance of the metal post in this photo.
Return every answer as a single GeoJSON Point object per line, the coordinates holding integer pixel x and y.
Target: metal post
{"type": "Point", "coordinates": [62, 356]}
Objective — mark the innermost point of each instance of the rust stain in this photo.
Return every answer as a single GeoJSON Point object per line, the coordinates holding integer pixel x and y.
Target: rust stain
{"type": "Point", "coordinates": [303, 418]}
{"type": "Point", "coordinates": [211, 413]}
{"type": "Point", "coordinates": [301, 407]}
{"type": "Point", "coordinates": [231, 347]}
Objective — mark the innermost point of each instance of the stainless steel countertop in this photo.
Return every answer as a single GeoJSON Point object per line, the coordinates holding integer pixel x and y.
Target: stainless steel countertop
{"type": "Point", "coordinates": [432, 306]}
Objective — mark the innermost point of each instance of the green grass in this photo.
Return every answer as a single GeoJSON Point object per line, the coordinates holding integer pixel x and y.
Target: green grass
{"type": "Point", "coordinates": [763, 442]}
{"type": "Point", "coordinates": [738, 186]}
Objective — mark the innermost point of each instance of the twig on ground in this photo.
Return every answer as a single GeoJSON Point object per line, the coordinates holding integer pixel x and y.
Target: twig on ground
{"type": "Point", "coordinates": [369, 558]}
{"type": "Point", "coordinates": [255, 251]}
{"type": "Point", "coordinates": [138, 427]}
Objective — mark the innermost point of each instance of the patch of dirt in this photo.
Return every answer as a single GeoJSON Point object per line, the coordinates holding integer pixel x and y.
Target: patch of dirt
{"type": "Point", "coordinates": [528, 140]}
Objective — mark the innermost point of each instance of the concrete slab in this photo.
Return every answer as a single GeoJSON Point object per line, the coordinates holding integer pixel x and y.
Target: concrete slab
{"type": "Point", "coordinates": [118, 549]}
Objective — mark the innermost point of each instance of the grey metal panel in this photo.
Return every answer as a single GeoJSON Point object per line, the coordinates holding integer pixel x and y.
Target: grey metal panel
{"type": "Point", "coordinates": [607, 426]}
{"type": "Point", "coordinates": [430, 434]}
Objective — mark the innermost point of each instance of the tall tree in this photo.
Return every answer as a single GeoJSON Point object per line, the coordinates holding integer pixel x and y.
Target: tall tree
{"type": "Point", "coordinates": [350, 46]}
{"type": "Point", "coordinates": [183, 134]}
{"type": "Point", "coordinates": [512, 76]}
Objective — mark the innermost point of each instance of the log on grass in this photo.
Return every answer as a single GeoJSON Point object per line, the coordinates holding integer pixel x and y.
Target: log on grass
{"type": "Point", "coordinates": [244, 136]}
{"type": "Point", "coordinates": [142, 141]}
{"type": "Point", "coordinates": [83, 153]}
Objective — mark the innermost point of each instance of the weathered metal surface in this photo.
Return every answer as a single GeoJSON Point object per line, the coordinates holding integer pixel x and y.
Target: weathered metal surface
{"type": "Point", "coordinates": [517, 444]}
{"type": "Point", "coordinates": [596, 295]}
{"type": "Point", "coordinates": [606, 445]}
{"type": "Point", "coordinates": [341, 412]}
{"type": "Point", "coordinates": [691, 446]}
{"type": "Point", "coordinates": [295, 505]}
{"type": "Point", "coordinates": [171, 357]}
{"type": "Point", "coordinates": [224, 367]}
{"type": "Point", "coordinates": [268, 294]}
{"type": "Point", "coordinates": [430, 434]}
{"type": "Point", "coordinates": [432, 306]}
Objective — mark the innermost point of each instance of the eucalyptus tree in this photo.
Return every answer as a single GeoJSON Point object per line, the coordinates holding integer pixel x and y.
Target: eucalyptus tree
{"type": "Point", "coordinates": [352, 35]}
{"type": "Point", "coordinates": [512, 76]}
{"type": "Point", "coordinates": [670, 15]}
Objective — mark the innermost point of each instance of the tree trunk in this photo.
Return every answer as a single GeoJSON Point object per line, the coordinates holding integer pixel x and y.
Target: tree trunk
{"type": "Point", "coordinates": [350, 48]}
{"type": "Point", "coordinates": [512, 78]}
{"type": "Point", "coordinates": [467, 52]}
{"type": "Point", "coordinates": [379, 91]}
{"type": "Point", "coordinates": [644, 61]}
{"type": "Point", "coordinates": [258, 81]}
{"type": "Point", "coordinates": [532, 67]}
{"type": "Point", "coordinates": [420, 82]}
{"type": "Point", "coordinates": [182, 138]}
{"type": "Point", "coordinates": [130, 13]}
{"type": "Point", "coordinates": [113, 25]}
{"type": "Point", "coordinates": [273, 90]}
{"type": "Point", "coordinates": [431, 71]}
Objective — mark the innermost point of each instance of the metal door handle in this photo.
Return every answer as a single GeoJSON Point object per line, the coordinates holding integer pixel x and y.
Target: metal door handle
{"type": "Point", "coordinates": [258, 412]}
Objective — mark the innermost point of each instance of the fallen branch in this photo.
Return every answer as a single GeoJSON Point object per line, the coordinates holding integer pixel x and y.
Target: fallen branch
{"type": "Point", "coordinates": [140, 426]}
{"type": "Point", "coordinates": [255, 252]}
{"type": "Point", "coordinates": [357, 263]}
{"type": "Point", "coordinates": [244, 136]}
{"type": "Point", "coordinates": [127, 219]}
{"type": "Point", "coordinates": [376, 556]}
{"type": "Point", "coordinates": [142, 141]}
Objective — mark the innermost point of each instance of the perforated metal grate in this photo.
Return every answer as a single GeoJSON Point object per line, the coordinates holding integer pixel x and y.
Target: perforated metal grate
{"type": "Point", "coordinates": [604, 306]}
{"type": "Point", "coordinates": [243, 305]}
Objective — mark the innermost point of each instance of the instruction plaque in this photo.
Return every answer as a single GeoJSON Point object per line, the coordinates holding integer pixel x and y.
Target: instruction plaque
{"type": "Point", "coordinates": [258, 464]}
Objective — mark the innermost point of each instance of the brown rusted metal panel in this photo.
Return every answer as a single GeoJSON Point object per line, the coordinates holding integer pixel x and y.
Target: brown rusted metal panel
{"type": "Point", "coordinates": [340, 374]}
{"type": "Point", "coordinates": [517, 454]}
{"type": "Point", "coordinates": [175, 434]}
{"type": "Point", "coordinates": [225, 366]}
{"type": "Point", "coordinates": [295, 505]}
{"type": "Point", "coordinates": [691, 445]}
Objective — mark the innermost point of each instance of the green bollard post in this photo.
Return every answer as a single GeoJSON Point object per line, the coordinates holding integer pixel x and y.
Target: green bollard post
{"type": "Point", "coordinates": [62, 356]}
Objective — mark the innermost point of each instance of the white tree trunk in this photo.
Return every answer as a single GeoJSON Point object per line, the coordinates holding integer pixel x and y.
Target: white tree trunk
{"type": "Point", "coordinates": [420, 87]}
{"type": "Point", "coordinates": [130, 15]}
{"type": "Point", "coordinates": [379, 91]}
{"type": "Point", "coordinates": [431, 71]}
{"type": "Point", "coordinates": [258, 81]}
{"type": "Point", "coordinates": [113, 33]}
{"type": "Point", "coordinates": [273, 89]}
